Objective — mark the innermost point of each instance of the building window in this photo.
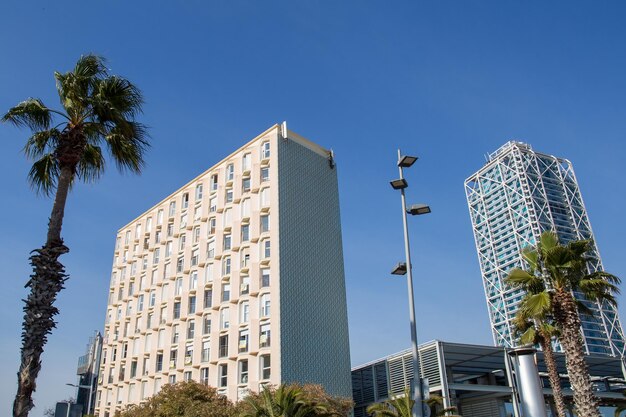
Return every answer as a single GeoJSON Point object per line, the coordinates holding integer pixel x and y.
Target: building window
{"type": "Point", "coordinates": [192, 305]}
{"type": "Point", "coordinates": [175, 334]}
{"type": "Point", "coordinates": [206, 325]}
{"type": "Point", "coordinates": [214, 182]}
{"type": "Point", "coordinates": [208, 297]}
{"type": "Point", "coordinates": [198, 192]}
{"type": "Point", "coordinates": [265, 174]}
{"type": "Point", "coordinates": [245, 208]}
{"type": "Point", "coordinates": [204, 376]}
{"type": "Point", "coordinates": [244, 312]}
{"type": "Point", "coordinates": [152, 298]}
{"type": "Point", "coordinates": [187, 376]}
{"type": "Point", "coordinates": [226, 265]}
{"type": "Point", "coordinates": [196, 235]}
{"type": "Point", "coordinates": [172, 210]}
{"type": "Point", "coordinates": [133, 368]}
{"type": "Point", "coordinates": [265, 150]}
{"type": "Point", "coordinates": [197, 211]}
{"type": "Point", "coordinates": [245, 258]}
{"type": "Point", "coordinates": [173, 358]}
{"type": "Point", "coordinates": [180, 265]}
{"type": "Point", "coordinates": [156, 255]}
{"type": "Point", "coordinates": [168, 249]}
{"type": "Point", "coordinates": [160, 216]}
{"type": "Point", "coordinates": [194, 257]}
{"type": "Point", "coordinates": [206, 351]}
{"type": "Point", "coordinates": [230, 172]}
{"type": "Point", "coordinates": [193, 280]}
{"type": "Point", "coordinates": [264, 339]}
{"type": "Point", "coordinates": [245, 232]}
{"type": "Point", "coordinates": [228, 217]}
{"type": "Point", "coordinates": [159, 362]}
{"type": "Point", "coordinates": [224, 318]}
{"type": "Point", "coordinates": [212, 204]}
{"type": "Point", "coordinates": [265, 305]}
{"type": "Point", "coordinates": [265, 367]}
{"type": "Point", "coordinates": [171, 379]}
{"type": "Point", "coordinates": [189, 354]}
{"type": "Point", "coordinates": [185, 200]}
{"type": "Point", "coordinates": [244, 336]}
{"type": "Point", "coordinates": [228, 197]}
{"type": "Point", "coordinates": [243, 372]}
{"type": "Point", "coordinates": [170, 229]}
{"type": "Point", "coordinates": [265, 248]}
{"type": "Point", "coordinates": [191, 329]}
{"type": "Point", "coordinates": [246, 162]}
{"type": "Point", "coordinates": [223, 346]}
{"type": "Point", "coordinates": [182, 242]}
{"type": "Point", "coordinates": [210, 249]}
{"type": "Point", "coordinates": [265, 197]}
{"type": "Point", "coordinates": [245, 185]}
{"type": "Point", "coordinates": [178, 289]}
{"type": "Point", "coordinates": [227, 242]}
{"type": "Point", "coordinates": [225, 292]}
{"type": "Point", "coordinates": [265, 223]}
{"type": "Point", "coordinates": [223, 376]}
{"type": "Point", "coordinates": [212, 226]}
{"type": "Point", "coordinates": [245, 285]}
{"type": "Point", "coordinates": [140, 303]}
{"type": "Point", "coordinates": [177, 310]}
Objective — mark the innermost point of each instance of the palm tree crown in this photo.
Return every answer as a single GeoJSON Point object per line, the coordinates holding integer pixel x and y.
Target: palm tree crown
{"type": "Point", "coordinates": [97, 108]}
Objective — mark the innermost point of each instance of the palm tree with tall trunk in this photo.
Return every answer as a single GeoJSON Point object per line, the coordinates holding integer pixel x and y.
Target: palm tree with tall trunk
{"type": "Point", "coordinates": [97, 109]}
{"type": "Point", "coordinates": [564, 270]}
{"type": "Point", "coordinates": [533, 322]}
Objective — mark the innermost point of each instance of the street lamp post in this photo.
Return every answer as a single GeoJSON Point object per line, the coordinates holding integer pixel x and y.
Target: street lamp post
{"type": "Point", "coordinates": [406, 268]}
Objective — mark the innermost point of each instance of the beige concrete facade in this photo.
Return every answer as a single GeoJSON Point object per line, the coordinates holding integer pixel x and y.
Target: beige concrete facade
{"type": "Point", "coordinates": [194, 285]}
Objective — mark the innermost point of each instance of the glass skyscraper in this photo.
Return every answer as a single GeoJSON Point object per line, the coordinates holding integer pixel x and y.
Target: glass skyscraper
{"type": "Point", "coordinates": [516, 196]}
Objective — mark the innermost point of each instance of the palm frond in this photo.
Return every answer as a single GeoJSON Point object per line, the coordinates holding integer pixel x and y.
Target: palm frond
{"type": "Point", "coordinates": [529, 337]}
{"type": "Point", "coordinates": [43, 174]}
{"type": "Point", "coordinates": [31, 113]}
{"type": "Point", "coordinates": [610, 278]}
{"type": "Point", "coordinates": [537, 305]}
{"type": "Point", "coordinates": [91, 165]}
{"type": "Point", "coordinates": [41, 142]}
{"type": "Point", "coordinates": [598, 289]}
{"type": "Point", "coordinates": [115, 98]}
{"type": "Point", "coordinates": [519, 277]}
{"type": "Point", "coordinates": [127, 144]}
{"type": "Point", "coordinates": [548, 240]}
{"type": "Point", "coordinates": [531, 256]}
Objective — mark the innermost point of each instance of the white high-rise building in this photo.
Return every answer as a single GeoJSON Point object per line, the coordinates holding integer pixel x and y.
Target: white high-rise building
{"type": "Point", "coordinates": [235, 280]}
{"type": "Point", "coordinates": [516, 196]}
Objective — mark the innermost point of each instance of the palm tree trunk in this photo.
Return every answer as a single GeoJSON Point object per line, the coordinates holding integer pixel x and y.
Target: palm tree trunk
{"type": "Point", "coordinates": [553, 375]}
{"type": "Point", "coordinates": [45, 283]}
{"type": "Point", "coordinates": [566, 315]}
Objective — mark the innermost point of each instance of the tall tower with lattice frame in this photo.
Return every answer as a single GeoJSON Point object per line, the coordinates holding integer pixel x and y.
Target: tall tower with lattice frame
{"type": "Point", "coordinates": [517, 195]}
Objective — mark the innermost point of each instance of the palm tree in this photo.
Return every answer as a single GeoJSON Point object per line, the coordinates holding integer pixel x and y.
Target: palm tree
{"type": "Point", "coordinates": [564, 271]}
{"type": "Point", "coordinates": [284, 401]}
{"type": "Point", "coordinates": [533, 321]}
{"type": "Point", "coordinates": [402, 406]}
{"type": "Point", "coordinates": [96, 108]}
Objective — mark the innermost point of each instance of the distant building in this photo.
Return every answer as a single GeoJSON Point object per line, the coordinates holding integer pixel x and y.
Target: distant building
{"type": "Point", "coordinates": [88, 371]}
{"type": "Point", "coordinates": [235, 280]}
{"type": "Point", "coordinates": [515, 197]}
{"type": "Point", "coordinates": [68, 409]}
{"type": "Point", "coordinates": [478, 380]}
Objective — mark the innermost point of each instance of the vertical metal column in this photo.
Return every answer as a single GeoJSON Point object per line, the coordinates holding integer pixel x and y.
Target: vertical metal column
{"type": "Point", "coordinates": [527, 376]}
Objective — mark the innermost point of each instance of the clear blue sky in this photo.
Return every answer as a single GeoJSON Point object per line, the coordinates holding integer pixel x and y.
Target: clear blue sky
{"type": "Point", "coordinates": [448, 81]}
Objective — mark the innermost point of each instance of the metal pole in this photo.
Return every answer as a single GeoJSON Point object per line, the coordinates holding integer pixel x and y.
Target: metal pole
{"type": "Point", "coordinates": [417, 382]}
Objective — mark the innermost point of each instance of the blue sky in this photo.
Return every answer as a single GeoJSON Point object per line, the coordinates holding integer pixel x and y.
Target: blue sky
{"type": "Point", "coordinates": [448, 81]}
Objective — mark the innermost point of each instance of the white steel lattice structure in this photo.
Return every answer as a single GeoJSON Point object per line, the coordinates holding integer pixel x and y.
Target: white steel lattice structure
{"type": "Point", "coordinates": [516, 196]}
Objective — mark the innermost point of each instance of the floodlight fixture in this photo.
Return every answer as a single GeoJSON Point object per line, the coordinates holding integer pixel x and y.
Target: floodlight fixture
{"type": "Point", "coordinates": [406, 161]}
{"type": "Point", "coordinates": [418, 209]}
{"type": "Point", "coordinates": [399, 184]}
{"type": "Point", "coordinates": [399, 269]}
